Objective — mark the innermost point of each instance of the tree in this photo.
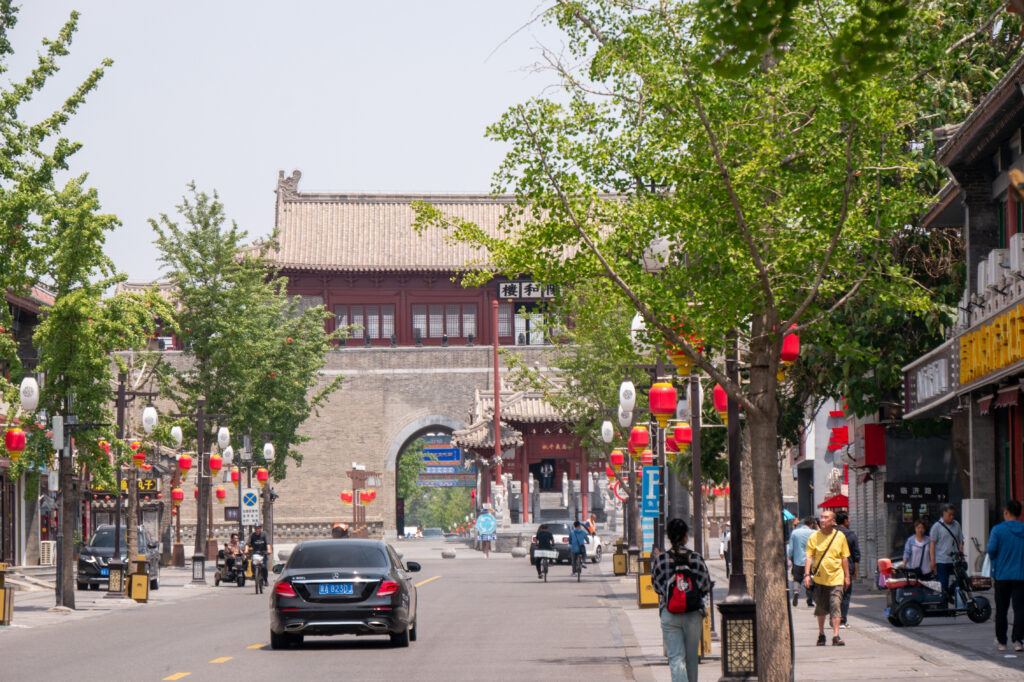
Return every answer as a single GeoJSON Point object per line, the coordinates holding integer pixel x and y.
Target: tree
{"type": "Point", "coordinates": [253, 353]}
{"type": "Point", "coordinates": [776, 184]}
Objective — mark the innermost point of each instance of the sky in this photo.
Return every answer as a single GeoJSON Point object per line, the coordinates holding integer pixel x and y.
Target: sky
{"type": "Point", "coordinates": [379, 96]}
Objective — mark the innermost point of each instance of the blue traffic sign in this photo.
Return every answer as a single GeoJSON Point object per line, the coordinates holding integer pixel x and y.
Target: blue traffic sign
{"type": "Point", "coordinates": [647, 531]}
{"type": "Point", "coordinates": [486, 524]}
{"type": "Point", "coordinates": [650, 492]}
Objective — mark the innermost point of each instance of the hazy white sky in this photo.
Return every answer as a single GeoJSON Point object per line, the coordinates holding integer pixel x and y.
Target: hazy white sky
{"type": "Point", "coordinates": [359, 96]}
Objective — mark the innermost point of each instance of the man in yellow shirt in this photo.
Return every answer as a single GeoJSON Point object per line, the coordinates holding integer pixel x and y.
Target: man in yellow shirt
{"type": "Point", "coordinates": [828, 566]}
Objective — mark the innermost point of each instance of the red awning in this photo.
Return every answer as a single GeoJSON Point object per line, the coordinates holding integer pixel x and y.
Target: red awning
{"type": "Point", "coordinates": [1007, 398]}
{"type": "Point", "coordinates": [836, 502]}
{"type": "Point", "coordinates": [985, 405]}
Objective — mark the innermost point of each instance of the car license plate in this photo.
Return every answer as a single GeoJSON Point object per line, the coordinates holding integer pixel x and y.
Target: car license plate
{"type": "Point", "coordinates": [334, 588]}
{"type": "Point", "coordinates": [104, 571]}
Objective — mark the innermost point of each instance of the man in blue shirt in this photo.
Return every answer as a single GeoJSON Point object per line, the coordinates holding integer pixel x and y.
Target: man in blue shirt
{"type": "Point", "coordinates": [577, 543]}
{"type": "Point", "coordinates": [796, 552]}
{"type": "Point", "coordinates": [1006, 552]}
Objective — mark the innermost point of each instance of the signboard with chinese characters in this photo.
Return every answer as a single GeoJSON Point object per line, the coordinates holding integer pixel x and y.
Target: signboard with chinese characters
{"type": "Point", "coordinates": [435, 456]}
{"type": "Point", "coordinates": [916, 492]}
{"type": "Point", "coordinates": [528, 289]}
{"type": "Point", "coordinates": [145, 485]}
{"type": "Point", "coordinates": [446, 480]}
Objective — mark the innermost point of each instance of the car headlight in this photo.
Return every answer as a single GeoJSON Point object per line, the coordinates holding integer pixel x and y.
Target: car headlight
{"type": "Point", "coordinates": [88, 558]}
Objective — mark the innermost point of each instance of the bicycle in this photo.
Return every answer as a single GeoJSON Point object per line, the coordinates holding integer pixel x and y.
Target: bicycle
{"type": "Point", "coordinates": [577, 565]}
{"type": "Point", "coordinates": [259, 572]}
{"type": "Point", "coordinates": [544, 556]}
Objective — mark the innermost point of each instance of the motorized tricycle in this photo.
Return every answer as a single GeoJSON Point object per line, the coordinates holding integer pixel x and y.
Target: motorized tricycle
{"type": "Point", "coordinates": [910, 599]}
{"type": "Point", "coordinates": [233, 573]}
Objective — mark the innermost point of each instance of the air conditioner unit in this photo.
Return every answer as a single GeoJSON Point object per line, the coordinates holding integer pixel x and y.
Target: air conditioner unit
{"type": "Point", "coordinates": [1017, 252]}
{"type": "Point", "coordinates": [982, 279]}
{"type": "Point", "coordinates": [998, 261]}
{"type": "Point", "coordinates": [47, 552]}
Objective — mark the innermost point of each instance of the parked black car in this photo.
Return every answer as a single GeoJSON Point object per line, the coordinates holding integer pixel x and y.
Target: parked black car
{"type": "Point", "coordinates": [95, 557]}
{"type": "Point", "coordinates": [343, 587]}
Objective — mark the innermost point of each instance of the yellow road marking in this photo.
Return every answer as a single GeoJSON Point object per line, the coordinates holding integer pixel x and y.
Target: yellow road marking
{"type": "Point", "coordinates": [424, 582]}
{"type": "Point", "coordinates": [221, 659]}
{"type": "Point", "coordinates": [255, 646]}
{"type": "Point", "coordinates": [177, 676]}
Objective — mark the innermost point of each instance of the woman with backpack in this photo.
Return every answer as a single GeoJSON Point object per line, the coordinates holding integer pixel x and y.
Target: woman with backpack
{"type": "Point", "coordinates": [681, 579]}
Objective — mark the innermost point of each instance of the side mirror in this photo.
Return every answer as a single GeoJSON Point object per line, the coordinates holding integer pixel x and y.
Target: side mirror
{"type": "Point", "coordinates": [412, 566]}
{"type": "Point", "coordinates": [278, 568]}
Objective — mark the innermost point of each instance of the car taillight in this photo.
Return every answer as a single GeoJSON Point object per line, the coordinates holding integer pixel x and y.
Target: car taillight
{"type": "Point", "coordinates": [387, 588]}
{"type": "Point", "coordinates": [534, 539]}
{"type": "Point", "coordinates": [283, 589]}
{"type": "Point", "coordinates": [565, 540]}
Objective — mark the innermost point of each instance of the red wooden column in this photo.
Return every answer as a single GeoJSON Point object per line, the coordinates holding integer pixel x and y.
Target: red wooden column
{"type": "Point", "coordinates": [524, 476]}
{"type": "Point", "coordinates": [584, 480]}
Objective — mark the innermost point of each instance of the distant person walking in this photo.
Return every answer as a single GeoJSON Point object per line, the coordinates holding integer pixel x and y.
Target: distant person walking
{"type": "Point", "coordinates": [680, 631]}
{"type": "Point", "coordinates": [916, 551]}
{"type": "Point", "coordinates": [947, 541]}
{"type": "Point", "coordinates": [828, 567]}
{"type": "Point", "coordinates": [843, 524]}
{"type": "Point", "coordinates": [796, 552]}
{"type": "Point", "coordinates": [1006, 552]}
{"type": "Point", "coordinates": [724, 548]}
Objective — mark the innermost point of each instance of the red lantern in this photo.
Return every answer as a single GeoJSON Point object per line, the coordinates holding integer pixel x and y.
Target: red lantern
{"type": "Point", "coordinates": [147, 467]}
{"type": "Point", "coordinates": [663, 399]}
{"type": "Point", "coordinates": [616, 459]}
{"type": "Point", "coordinates": [221, 494]}
{"type": "Point", "coordinates": [14, 441]}
{"type": "Point", "coordinates": [721, 400]}
{"type": "Point", "coordinates": [790, 347]}
{"type": "Point", "coordinates": [184, 463]}
{"type": "Point", "coordinates": [346, 497]}
{"type": "Point", "coordinates": [196, 492]}
{"type": "Point", "coordinates": [609, 472]}
{"type": "Point", "coordinates": [216, 463]}
{"type": "Point", "coordinates": [138, 456]}
{"type": "Point", "coordinates": [647, 458]}
{"type": "Point", "coordinates": [683, 436]}
{"type": "Point", "coordinates": [177, 496]}
{"type": "Point", "coordinates": [675, 354]}
{"type": "Point", "coordinates": [262, 475]}
{"type": "Point", "coordinates": [671, 447]}
{"type": "Point", "coordinates": [639, 439]}
{"type": "Point", "coordinates": [235, 476]}
{"type": "Point", "coordinates": [364, 497]}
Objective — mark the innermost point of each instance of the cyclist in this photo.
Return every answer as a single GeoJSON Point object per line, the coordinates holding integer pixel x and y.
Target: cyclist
{"type": "Point", "coordinates": [545, 540]}
{"type": "Point", "coordinates": [258, 544]}
{"type": "Point", "coordinates": [577, 543]}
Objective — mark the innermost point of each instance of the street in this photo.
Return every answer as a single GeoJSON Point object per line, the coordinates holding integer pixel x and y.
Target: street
{"type": "Point", "coordinates": [479, 618]}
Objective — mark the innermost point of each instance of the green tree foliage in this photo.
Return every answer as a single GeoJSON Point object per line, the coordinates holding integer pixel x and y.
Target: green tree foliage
{"type": "Point", "coordinates": [31, 153]}
{"type": "Point", "coordinates": [777, 187]}
{"type": "Point", "coordinates": [253, 353]}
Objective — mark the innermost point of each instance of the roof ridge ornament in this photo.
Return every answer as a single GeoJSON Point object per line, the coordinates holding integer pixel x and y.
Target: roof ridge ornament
{"type": "Point", "coordinates": [288, 188]}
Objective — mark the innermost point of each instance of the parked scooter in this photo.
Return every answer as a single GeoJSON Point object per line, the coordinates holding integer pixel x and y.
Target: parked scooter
{"type": "Point", "coordinates": [910, 599]}
{"type": "Point", "coordinates": [230, 574]}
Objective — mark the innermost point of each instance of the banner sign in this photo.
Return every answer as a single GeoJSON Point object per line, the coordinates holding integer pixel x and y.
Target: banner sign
{"type": "Point", "coordinates": [916, 492]}
{"type": "Point", "coordinates": [441, 456]}
{"type": "Point", "coordinates": [446, 480]}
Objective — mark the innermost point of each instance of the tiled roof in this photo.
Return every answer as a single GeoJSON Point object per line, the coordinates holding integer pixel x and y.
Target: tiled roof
{"type": "Point", "coordinates": [525, 407]}
{"type": "Point", "coordinates": [374, 232]}
{"type": "Point", "coordinates": [480, 435]}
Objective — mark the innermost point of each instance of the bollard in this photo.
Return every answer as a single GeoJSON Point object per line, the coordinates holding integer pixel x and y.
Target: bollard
{"type": "Point", "coordinates": [6, 597]}
{"type": "Point", "coordinates": [138, 587]}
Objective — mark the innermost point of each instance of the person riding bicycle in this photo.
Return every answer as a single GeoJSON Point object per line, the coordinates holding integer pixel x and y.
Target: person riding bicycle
{"type": "Point", "coordinates": [545, 540]}
{"type": "Point", "coordinates": [577, 543]}
{"type": "Point", "coordinates": [258, 543]}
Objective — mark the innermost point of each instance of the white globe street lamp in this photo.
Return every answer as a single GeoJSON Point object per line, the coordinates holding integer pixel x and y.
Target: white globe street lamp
{"type": "Point", "coordinates": [149, 419]}
{"type": "Point", "coordinates": [607, 431]}
{"type": "Point", "coordinates": [223, 437]}
{"type": "Point", "coordinates": [227, 455]}
{"type": "Point", "coordinates": [176, 435]}
{"type": "Point", "coordinates": [29, 394]}
{"type": "Point", "coordinates": [625, 418]}
{"type": "Point", "coordinates": [627, 396]}
{"type": "Point", "coordinates": [268, 451]}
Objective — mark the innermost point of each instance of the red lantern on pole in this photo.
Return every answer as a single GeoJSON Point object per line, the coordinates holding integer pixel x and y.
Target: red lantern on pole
{"type": "Point", "coordinates": [216, 463]}
{"type": "Point", "coordinates": [14, 441]}
{"type": "Point", "coordinates": [184, 464]}
{"type": "Point", "coordinates": [616, 458]}
{"type": "Point", "coordinates": [639, 438]}
{"type": "Point", "coordinates": [790, 352]}
{"type": "Point", "coordinates": [647, 458]}
{"type": "Point", "coordinates": [663, 399]}
{"type": "Point", "coordinates": [721, 400]}
{"type": "Point", "coordinates": [346, 497]}
{"type": "Point", "coordinates": [235, 476]}
{"type": "Point", "coordinates": [139, 455]}
{"type": "Point", "coordinates": [262, 475]}
{"type": "Point", "coordinates": [683, 436]}
{"type": "Point", "coordinates": [366, 496]}
{"type": "Point", "coordinates": [195, 492]}
{"type": "Point", "coordinates": [177, 496]}
{"type": "Point", "coordinates": [221, 494]}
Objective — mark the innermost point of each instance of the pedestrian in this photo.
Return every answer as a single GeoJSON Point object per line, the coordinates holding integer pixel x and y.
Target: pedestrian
{"type": "Point", "coordinates": [680, 632]}
{"type": "Point", "coordinates": [947, 542]}
{"type": "Point", "coordinates": [843, 524]}
{"type": "Point", "coordinates": [724, 548]}
{"type": "Point", "coordinates": [828, 567]}
{"type": "Point", "coordinates": [796, 552]}
{"type": "Point", "coordinates": [1006, 552]}
{"type": "Point", "coordinates": [591, 524]}
{"type": "Point", "coordinates": [339, 530]}
{"type": "Point", "coordinates": [916, 552]}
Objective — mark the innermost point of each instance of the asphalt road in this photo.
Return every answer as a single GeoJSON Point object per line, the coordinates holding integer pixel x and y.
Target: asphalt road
{"type": "Point", "coordinates": [478, 619]}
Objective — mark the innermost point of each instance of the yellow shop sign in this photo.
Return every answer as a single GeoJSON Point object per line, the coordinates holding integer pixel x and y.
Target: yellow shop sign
{"type": "Point", "coordinates": [996, 345]}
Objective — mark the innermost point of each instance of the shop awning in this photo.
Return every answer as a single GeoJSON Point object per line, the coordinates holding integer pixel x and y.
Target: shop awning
{"type": "Point", "coordinates": [836, 502]}
{"type": "Point", "coordinates": [985, 405]}
{"type": "Point", "coordinates": [1008, 397]}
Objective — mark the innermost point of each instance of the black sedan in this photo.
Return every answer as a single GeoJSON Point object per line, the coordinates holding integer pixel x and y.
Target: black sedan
{"type": "Point", "coordinates": [343, 587]}
{"type": "Point", "coordinates": [94, 558]}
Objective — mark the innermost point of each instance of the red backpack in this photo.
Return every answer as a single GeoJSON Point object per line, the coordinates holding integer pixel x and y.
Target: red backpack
{"type": "Point", "coordinates": [683, 594]}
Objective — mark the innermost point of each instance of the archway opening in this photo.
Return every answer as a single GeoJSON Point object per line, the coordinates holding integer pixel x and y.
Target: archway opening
{"type": "Point", "coordinates": [433, 487]}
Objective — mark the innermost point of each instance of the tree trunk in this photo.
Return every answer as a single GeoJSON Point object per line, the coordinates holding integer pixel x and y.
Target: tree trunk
{"type": "Point", "coordinates": [68, 509]}
{"type": "Point", "coordinates": [774, 657]}
{"type": "Point", "coordinates": [748, 529]}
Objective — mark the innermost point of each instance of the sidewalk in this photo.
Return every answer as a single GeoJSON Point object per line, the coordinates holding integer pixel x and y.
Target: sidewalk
{"type": "Point", "coordinates": [939, 649]}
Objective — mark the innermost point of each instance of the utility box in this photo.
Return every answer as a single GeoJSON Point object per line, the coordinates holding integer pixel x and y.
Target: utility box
{"type": "Point", "coordinates": [138, 586]}
{"type": "Point", "coordinates": [646, 597]}
{"type": "Point", "coordinates": [6, 597]}
{"type": "Point", "coordinates": [619, 564]}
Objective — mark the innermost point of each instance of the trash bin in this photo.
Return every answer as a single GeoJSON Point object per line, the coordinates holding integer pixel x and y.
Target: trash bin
{"type": "Point", "coordinates": [138, 586]}
{"type": "Point", "coordinates": [6, 597]}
